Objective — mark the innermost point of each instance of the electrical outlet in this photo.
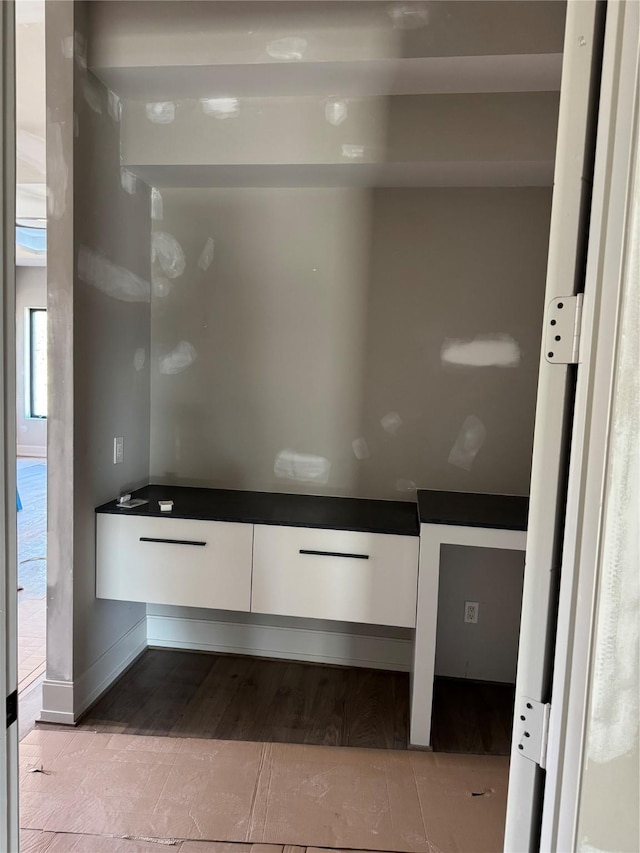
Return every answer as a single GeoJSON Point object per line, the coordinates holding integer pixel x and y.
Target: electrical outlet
{"type": "Point", "coordinates": [471, 611]}
{"type": "Point", "coordinates": [118, 449]}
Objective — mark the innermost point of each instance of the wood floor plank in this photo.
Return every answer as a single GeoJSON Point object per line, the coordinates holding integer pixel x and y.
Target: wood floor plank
{"type": "Point", "coordinates": [243, 718]}
{"type": "Point", "coordinates": [454, 721]}
{"type": "Point", "coordinates": [187, 694]}
{"type": "Point", "coordinates": [151, 694]}
{"type": "Point", "coordinates": [201, 717]}
{"type": "Point", "coordinates": [496, 729]}
{"type": "Point", "coordinates": [117, 705]}
{"type": "Point", "coordinates": [171, 696]}
{"type": "Point", "coordinates": [472, 717]}
{"type": "Point", "coordinates": [284, 719]}
{"type": "Point", "coordinates": [369, 710]}
{"type": "Point", "coordinates": [401, 710]}
{"type": "Point", "coordinates": [327, 687]}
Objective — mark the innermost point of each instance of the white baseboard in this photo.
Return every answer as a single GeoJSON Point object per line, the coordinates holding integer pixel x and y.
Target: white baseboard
{"type": "Point", "coordinates": [102, 673]}
{"type": "Point", "coordinates": [57, 702]}
{"type": "Point", "coordinates": [31, 450]}
{"type": "Point", "coordinates": [178, 632]}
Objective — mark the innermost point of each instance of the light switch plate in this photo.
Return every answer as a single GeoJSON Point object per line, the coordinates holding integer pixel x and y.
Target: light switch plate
{"type": "Point", "coordinates": [118, 449]}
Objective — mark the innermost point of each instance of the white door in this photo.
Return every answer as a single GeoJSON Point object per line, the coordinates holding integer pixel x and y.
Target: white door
{"type": "Point", "coordinates": [8, 559]}
{"type": "Point", "coordinates": [556, 391]}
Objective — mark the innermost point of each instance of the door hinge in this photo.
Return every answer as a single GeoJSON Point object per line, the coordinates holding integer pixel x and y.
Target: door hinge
{"type": "Point", "coordinates": [562, 325]}
{"type": "Point", "coordinates": [12, 708]}
{"type": "Point", "coordinates": [531, 730]}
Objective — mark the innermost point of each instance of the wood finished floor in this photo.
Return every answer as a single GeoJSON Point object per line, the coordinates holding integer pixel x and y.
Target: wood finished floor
{"type": "Point", "coordinates": [188, 694]}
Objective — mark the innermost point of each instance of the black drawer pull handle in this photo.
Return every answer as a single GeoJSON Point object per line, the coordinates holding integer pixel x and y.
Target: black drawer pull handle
{"type": "Point", "coordinates": [334, 554]}
{"type": "Point", "coordinates": [171, 541]}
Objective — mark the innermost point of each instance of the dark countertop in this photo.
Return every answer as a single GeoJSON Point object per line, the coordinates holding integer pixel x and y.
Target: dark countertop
{"type": "Point", "coordinates": [369, 516]}
{"type": "Point", "coordinates": [505, 512]}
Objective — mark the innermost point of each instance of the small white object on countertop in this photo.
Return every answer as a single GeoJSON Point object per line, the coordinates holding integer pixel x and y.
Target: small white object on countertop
{"type": "Point", "coordinates": [165, 506]}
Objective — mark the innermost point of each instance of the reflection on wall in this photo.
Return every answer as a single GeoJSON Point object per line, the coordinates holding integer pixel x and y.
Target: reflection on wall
{"type": "Point", "coordinates": [346, 341]}
{"type": "Point", "coordinates": [258, 345]}
{"type": "Point", "coordinates": [453, 338]}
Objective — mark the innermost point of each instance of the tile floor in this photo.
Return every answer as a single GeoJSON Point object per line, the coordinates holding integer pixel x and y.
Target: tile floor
{"type": "Point", "coordinates": [254, 794]}
{"type": "Point", "coordinates": [32, 563]}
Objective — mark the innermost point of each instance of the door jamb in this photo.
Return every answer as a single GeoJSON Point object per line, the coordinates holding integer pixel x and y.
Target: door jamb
{"type": "Point", "coordinates": [8, 523]}
{"type": "Point", "coordinates": [618, 138]}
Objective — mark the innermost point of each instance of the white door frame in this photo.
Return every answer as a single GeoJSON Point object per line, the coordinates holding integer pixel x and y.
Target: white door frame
{"type": "Point", "coordinates": [565, 277]}
{"type": "Point", "coordinates": [8, 533]}
{"type": "Point", "coordinates": [586, 499]}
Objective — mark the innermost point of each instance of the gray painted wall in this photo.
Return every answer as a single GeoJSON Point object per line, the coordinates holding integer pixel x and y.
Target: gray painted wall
{"type": "Point", "coordinates": [321, 320]}
{"type": "Point", "coordinates": [512, 127]}
{"type": "Point", "coordinates": [31, 292]}
{"type": "Point", "coordinates": [126, 34]}
{"type": "Point", "coordinates": [60, 269]}
{"type": "Point", "coordinates": [487, 650]}
{"type": "Point", "coordinates": [97, 233]}
{"type": "Point", "coordinates": [111, 341]}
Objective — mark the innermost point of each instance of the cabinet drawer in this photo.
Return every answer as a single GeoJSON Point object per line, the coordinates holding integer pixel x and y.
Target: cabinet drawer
{"type": "Point", "coordinates": [174, 561]}
{"type": "Point", "coordinates": [335, 574]}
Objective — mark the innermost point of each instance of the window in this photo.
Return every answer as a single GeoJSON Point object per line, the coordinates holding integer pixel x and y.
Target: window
{"type": "Point", "coordinates": [36, 373]}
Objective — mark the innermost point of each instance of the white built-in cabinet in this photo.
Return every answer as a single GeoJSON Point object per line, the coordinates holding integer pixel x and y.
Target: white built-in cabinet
{"type": "Point", "coordinates": [188, 562]}
{"type": "Point", "coordinates": [304, 560]}
{"type": "Point", "coordinates": [344, 575]}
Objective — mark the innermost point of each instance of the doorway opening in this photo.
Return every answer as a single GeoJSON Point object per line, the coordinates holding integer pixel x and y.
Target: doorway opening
{"type": "Point", "coordinates": [203, 246]}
